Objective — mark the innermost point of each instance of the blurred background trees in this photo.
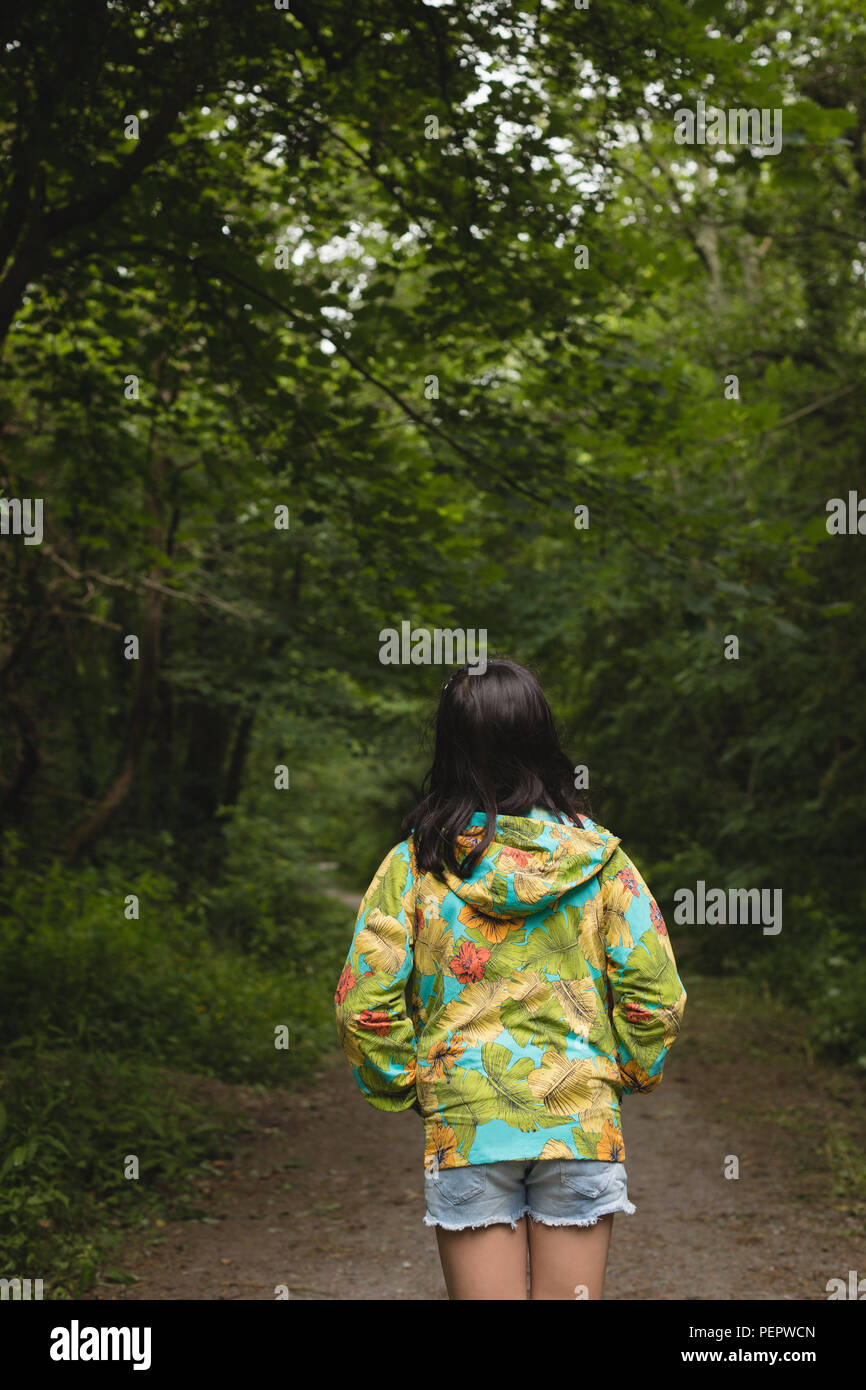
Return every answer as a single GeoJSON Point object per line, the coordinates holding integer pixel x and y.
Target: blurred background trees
{"type": "Point", "coordinates": [333, 266]}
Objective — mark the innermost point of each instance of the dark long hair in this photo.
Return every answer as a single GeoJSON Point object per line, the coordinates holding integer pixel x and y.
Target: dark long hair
{"type": "Point", "coordinates": [497, 751]}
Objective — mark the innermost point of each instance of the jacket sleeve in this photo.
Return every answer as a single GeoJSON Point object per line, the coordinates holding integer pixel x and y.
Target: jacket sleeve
{"type": "Point", "coordinates": [645, 993]}
{"type": "Point", "coordinates": [373, 1023]}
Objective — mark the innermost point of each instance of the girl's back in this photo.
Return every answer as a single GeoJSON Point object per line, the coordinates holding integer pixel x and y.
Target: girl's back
{"type": "Point", "coordinates": [516, 1005]}
{"type": "Point", "coordinates": [510, 978]}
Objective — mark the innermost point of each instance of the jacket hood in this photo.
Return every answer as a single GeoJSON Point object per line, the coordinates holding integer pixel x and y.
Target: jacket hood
{"type": "Point", "coordinates": [530, 862]}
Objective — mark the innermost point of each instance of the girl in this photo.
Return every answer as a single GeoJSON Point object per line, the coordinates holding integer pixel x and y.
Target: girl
{"type": "Point", "coordinates": [510, 977]}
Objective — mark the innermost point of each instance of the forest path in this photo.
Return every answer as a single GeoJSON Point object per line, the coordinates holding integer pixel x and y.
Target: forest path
{"type": "Point", "coordinates": [326, 1194]}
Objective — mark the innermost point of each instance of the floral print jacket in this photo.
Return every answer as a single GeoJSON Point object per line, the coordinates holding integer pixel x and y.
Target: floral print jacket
{"type": "Point", "coordinates": [512, 1009]}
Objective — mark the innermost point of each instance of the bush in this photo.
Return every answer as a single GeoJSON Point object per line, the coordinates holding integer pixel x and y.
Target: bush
{"type": "Point", "coordinates": [68, 1122]}
{"type": "Point", "coordinates": [94, 1005]}
{"type": "Point", "coordinates": [74, 968]}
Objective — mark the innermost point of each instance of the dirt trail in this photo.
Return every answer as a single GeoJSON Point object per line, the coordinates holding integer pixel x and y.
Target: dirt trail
{"type": "Point", "coordinates": [326, 1194]}
{"type": "Point", "coordinates": [344, 1220]}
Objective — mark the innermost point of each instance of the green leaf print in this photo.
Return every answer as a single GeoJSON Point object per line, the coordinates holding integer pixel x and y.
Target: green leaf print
{"type": "Point", "coordinates": [582, 1006]}
{"type": "Point", "coordinates": [474, 1012]}
{"type": "Point", "coordinates": [393, 886]}
{"type": "Point", "coordinates": [555, 946]}
{"type": "Point", "coordinates": [514, 1102]}
{"type": "Point", "coordinates": [524, 831]}
{"type": "Point", "coordinates": [645, 1051]}
{"type": "Point", "coordinates": [586, 1143]}
{"type": "Point", "coordinates": [434, 946]}
{"type": "Point", "coordinates": [610, 870]}
{"type": "Point", "coordinates": [468, 1095]}
{"type": "Point", "coordinates": [381, 942]}
{"type": "Point", "coordinates": [505, 957]}
{"type": "Point", "coordinates": [543, 1028]}
{"type": "Point", "coordinates": [391, 881]}
{"type": "Point", "coordinates": [372, 1081]}
{"type": "Point", "coordinates": [495, 885]}
{"type": "Point", "coordinates": [465, 1129]}
{"type": "Point", "coordinates": [655, 970]}
{"type": "Point", "coordinates": [377, 1051]}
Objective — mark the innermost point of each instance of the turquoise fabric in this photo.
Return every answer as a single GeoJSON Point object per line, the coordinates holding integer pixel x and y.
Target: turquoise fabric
{"type": "Point", "coordinates": [514, 1007]}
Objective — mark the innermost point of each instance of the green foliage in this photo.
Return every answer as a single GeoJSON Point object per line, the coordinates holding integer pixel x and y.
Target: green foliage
{"type": "Point", "coordinates": [75, 969]}
{"type": "Point", "coordinates": [95, 1007]}
{"type": "Point", "coordinates": [286, 261]}
{"type": "Point", "coordinates": [70, 1117]}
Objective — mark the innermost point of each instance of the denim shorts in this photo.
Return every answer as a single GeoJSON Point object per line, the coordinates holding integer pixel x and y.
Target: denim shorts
{"type": "Point", "coordinates": [553, 1191]}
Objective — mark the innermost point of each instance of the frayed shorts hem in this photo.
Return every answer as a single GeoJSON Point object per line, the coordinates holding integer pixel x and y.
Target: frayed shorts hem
{"type": "Point", "coordinates": [627, 1207]}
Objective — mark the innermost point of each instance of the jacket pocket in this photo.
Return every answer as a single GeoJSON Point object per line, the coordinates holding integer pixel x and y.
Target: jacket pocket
{"type": "Point", "coordinates": [588, 1176]}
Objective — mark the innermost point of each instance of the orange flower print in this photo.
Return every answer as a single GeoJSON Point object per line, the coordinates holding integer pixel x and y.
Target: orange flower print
{"type": "Point", "coordinates": [493, 929]}
{"type": "Point", "coordinates": [627, 877]}
{"type": "Point", "coordinates": [561, 834]}
{"type": "Point", "coordinates": [511, 859]}
{"type": "Point", "coordinates": [636, 1078]}
{"type": "Point", "coordinates": [542, 937]}
{"type": "Point", "coordinates": [376, 1020]}
{"type": "Point", "coordinates": [442, 1057]}
{"type": "Point", "coordinates": [346, 982]}
{"type": "Point", "coordinates": [610, 1146]}
{"type": "Point", "coordinates": [470, 836]}
{"type": "Point", "coordinates": [468, 964]}
{"type": "Point", "coordinates": [469, 840]}
{"type": "Point", "coordinates": [657, 919]}
{"type": "Point", "coordinates": [440, 1149]}
{"type": "Point", "coordinates": [636, 1013]}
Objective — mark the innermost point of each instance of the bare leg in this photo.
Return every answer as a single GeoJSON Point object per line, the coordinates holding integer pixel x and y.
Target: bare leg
{"type": "Point", "coordinates": [487, 1263]}
{"type": "Point", "coordinates": [569, 1261]}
